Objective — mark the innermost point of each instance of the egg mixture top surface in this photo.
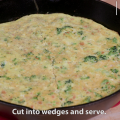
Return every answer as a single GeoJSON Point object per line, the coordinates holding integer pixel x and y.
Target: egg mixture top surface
{"type": "Point", "coordinates": [57, 60]}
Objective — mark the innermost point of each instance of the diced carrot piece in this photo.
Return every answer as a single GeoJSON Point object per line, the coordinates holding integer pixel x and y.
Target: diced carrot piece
{"type": "Point", "coordinates": [36, 58]}
{"type": "Point", "coordinates": [32, 106]}
{"type": "Point", "coordinates": [49, 43]}
{"type": "Point", "coordinates": [74, 97]}
{"type": "Point", "coordinates": [81, 43]}
{"type": "Point", "coordinates": [102, 52]}
{"type": "Point", "coordinates": [3, 92]}
{"type": "Point", "coordinates": [40, 102]}
{"type": "Point", "coordinates": [53, 96]}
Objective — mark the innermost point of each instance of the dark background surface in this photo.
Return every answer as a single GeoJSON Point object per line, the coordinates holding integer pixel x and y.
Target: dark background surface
{"type": "Point", "coordinates": [93, 9]}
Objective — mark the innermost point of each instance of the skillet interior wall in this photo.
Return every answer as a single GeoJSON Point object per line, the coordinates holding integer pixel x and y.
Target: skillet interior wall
{"type": "Point", "coordinates": [97, 10]}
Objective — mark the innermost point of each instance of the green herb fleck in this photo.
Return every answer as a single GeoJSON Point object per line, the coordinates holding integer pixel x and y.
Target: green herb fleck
{"type": "Point", "coordinates": [62, 19]}
{"type": "Point", "coordinates": [68, 81]}
{"type": "Point", "coordinates": [29, 53]}
{"type": "Point", "coordinates": [85, 77]}
{"type": "Point", "coordinates": [83, 38]}
{"type": "Point", "coordinates": [68, 103]}
{"type": "Point", "coordinates": [51, 93]}
{"type": "Point", "coordinates": [74, 43]}
{"type": "Point", "coordinates": [105, 84]}
{"type": "Point", "coordinates": [44, 78]}
{"type": "Point", "coordinates": [59, 30]}
{"type": "Point", "coordinates": [5, 39]}
{"type": "Point", "coordinates": [17, 37]}
{"type": "Point", "coordinates": [3, 64]}
{"type": "Point", "coordinates": [81, 21]}
{"type": "Point", "coordinates": [80, 32]}
{"type": "Point", "coordinates": [48, 57]}
{"type": "Point", "coordinates": [46, 51]}
{"type": "Point", "coordinates": [14, 60]}
{"type": "Point", "coordinates": [98, 95]}
{"type": "Point", "coordinates": [108, 38]}
{"type": "Point", "coordinates": [115, 40]}
{"type": "Point", "coordinates": [27, 90]}
{"type": "Point", "coordinates": [112, 86]}
{"type": "Point", "coordinates": [20, 102]}
{"type": "Point", "coordinates": [98, 53]}
{"type": "Point", "coordinates": [36, 97]}
{"type": "Point", "coordinates": [37, 57]}
{"type": "Point", "coordinates": [87, 100]}
{"type": "Point", "coordinates": [8, 78]}
{"type": "Point", "coordinates": [64, 58]}
{"type": "Point", "coordinates": [45, 67]}
{"type": "Point", "coordinates": [33, 76]}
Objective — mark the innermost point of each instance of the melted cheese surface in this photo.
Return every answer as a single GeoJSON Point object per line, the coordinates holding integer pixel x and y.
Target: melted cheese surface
{"type": "Point", "coordinates": [57, 60]}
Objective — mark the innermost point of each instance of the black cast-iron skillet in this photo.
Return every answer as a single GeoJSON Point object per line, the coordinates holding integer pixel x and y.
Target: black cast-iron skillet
{"type": "Point", "coordinates": [96, 10]}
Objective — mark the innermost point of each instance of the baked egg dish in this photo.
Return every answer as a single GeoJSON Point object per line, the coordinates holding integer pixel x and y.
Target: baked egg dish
{"type": "Point", "coordinates": [57, 60]}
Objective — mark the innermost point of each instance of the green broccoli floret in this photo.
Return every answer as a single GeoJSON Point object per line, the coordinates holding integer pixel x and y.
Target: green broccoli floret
{"type": "Point", "coordinates": [80, 32]}
{"type": "Point", "coordinates": [59, 30]}
{"type": "Point", "coordinates": [105, 85]}
{"type": "Point", "coordinates": [3, 64]}
{"type": "Point", "coordinates": [68, 81]}
{"type": "Point", "coordinates": [114, 39]}
{"type": "Point", "coordinates": [112, 50]}
{"type": "Point", "coordinates": [114, 70]}
{"type": "Point", "coordinates": [102, 57]}
{"type": "Point", "coordinates": [32, 76]}
{"type": "Point", "coordinates": [118, 49]}
{"type": "Point", "coordinates": [87, 99]}
{"type": "Point", "coordinates": [69, 87]}
{"type": "Point", "coordinates": [92, 59]}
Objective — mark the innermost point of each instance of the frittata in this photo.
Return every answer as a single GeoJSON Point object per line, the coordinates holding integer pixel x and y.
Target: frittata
{"type": "Point", "coordinates": [57, 60]}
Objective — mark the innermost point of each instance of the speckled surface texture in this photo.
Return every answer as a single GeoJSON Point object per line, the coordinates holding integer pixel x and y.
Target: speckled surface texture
{"type": "Point", "coordinates": [93, 9]}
